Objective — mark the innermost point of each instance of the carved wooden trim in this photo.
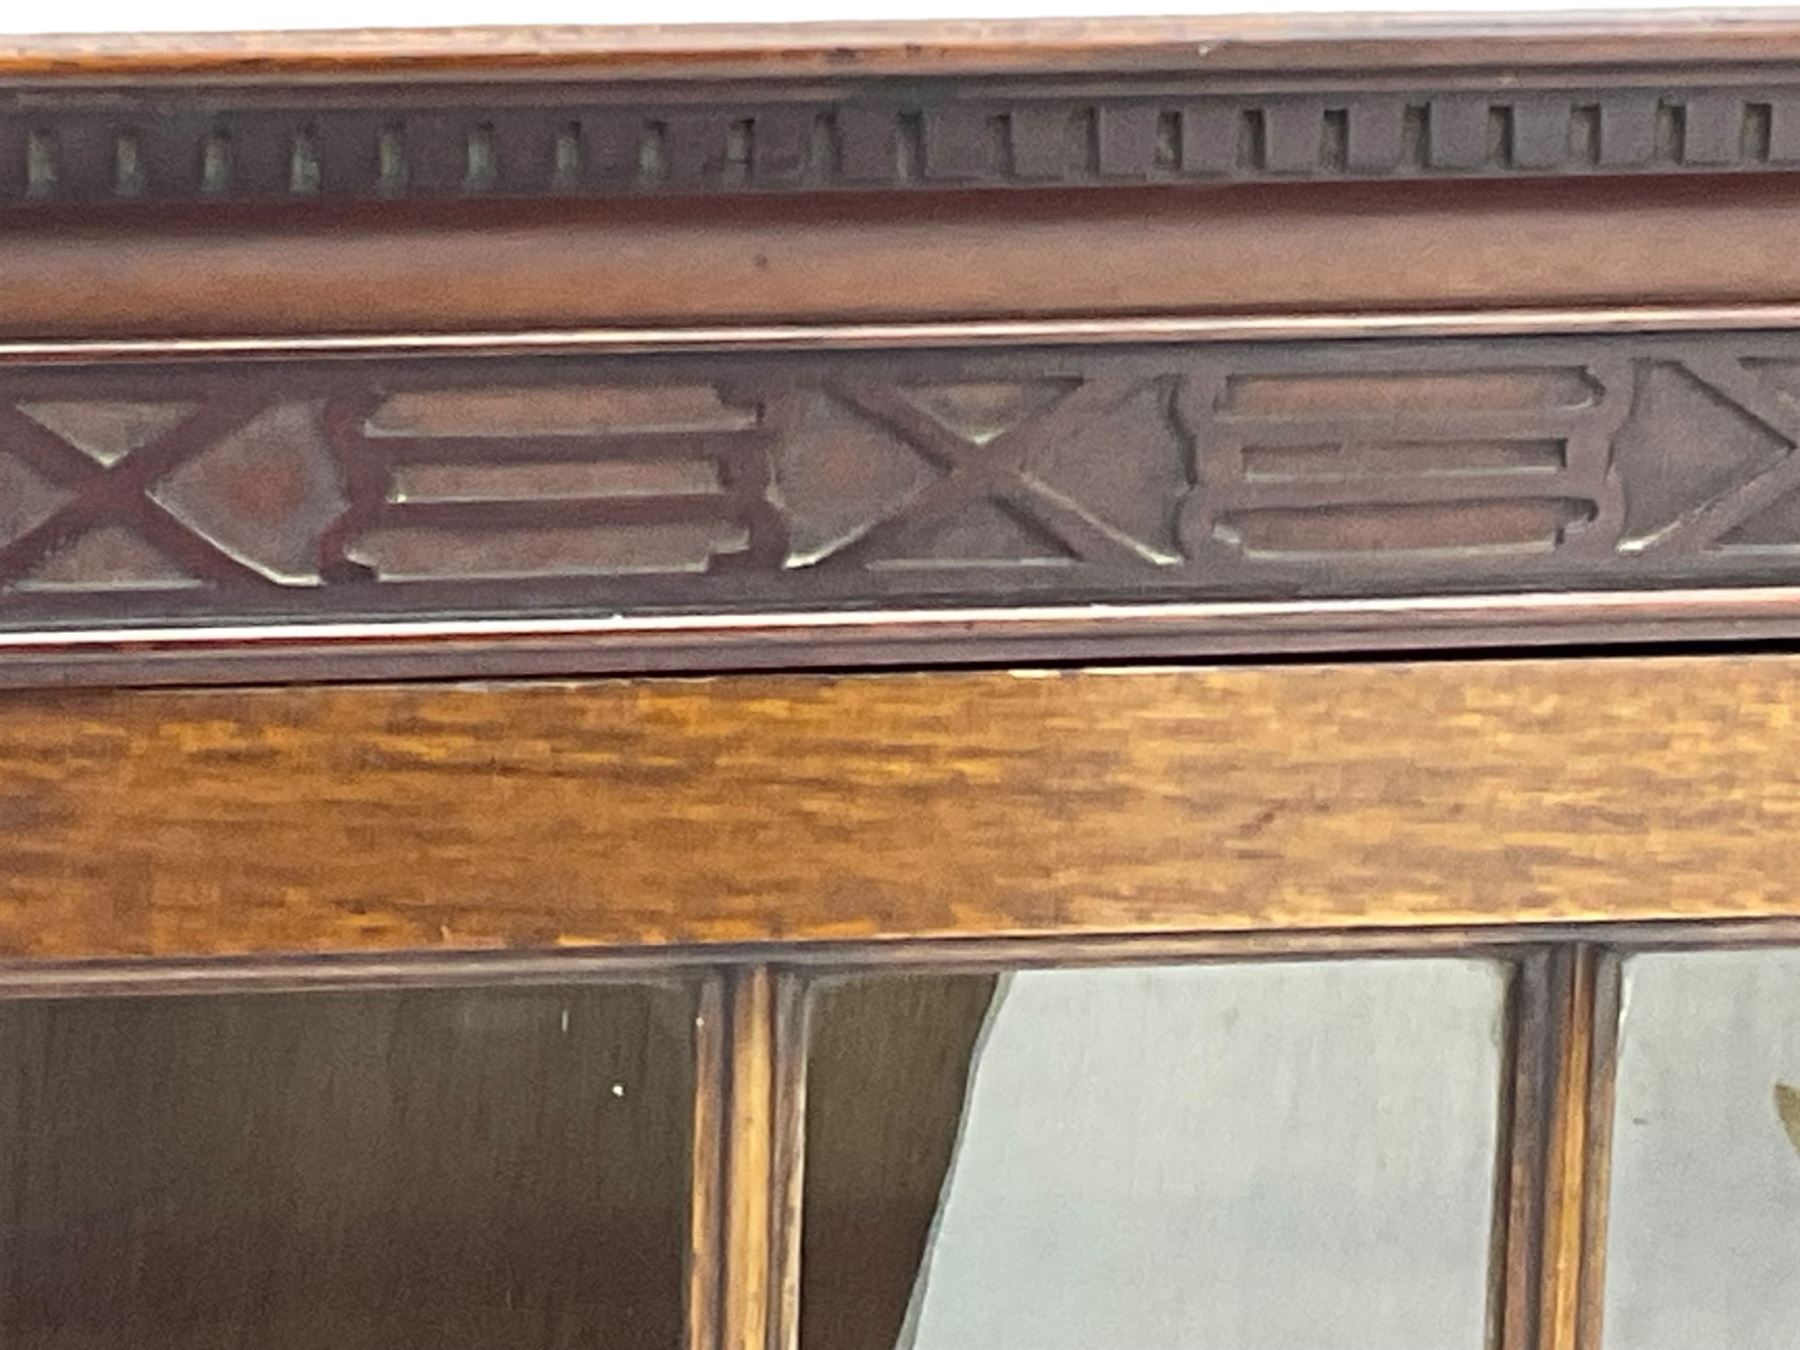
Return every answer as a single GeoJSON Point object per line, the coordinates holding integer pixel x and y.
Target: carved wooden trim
{"type": "Point", "coordinates": [558, 487]}
{"type": "Point", "coordinates": [574, 113]}
{"type": "Point", "coordinates": [398, 141]}
{"type": "Point", "coordinates": [924, 420]}
{"type": "Point", "coordinates": [1288, 254]}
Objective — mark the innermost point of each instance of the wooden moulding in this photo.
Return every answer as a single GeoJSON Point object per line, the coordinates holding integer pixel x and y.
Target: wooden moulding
{"type": "Point", "coordinates": [181, 516]}
{"type": "Point", "coordinates": [1564, 1046]}
{"type": "Point", "coordinates": [1574, 1142]}
{"type": "Point", "coordinates": [750, 1185]}
{"type": "Point", "coordinates": [959, 254]}
{"type": "Point", "coordinates": [1516, 1293]}
{"type": "Point", "coordinates": [614, 112]}
{"type": "Point", "coordinates": [1262, 46]}
{"type": "Point", "coordinates": [582, 351]}
{"type": "Point", "coordinates": [1511, 797]}
{"type": "Point", "coordinates": [792, 1043]}
{"type": "Point", "coordinates": [1585, 1308]}
{"type": "Point", "coordinates": [704, 1302]}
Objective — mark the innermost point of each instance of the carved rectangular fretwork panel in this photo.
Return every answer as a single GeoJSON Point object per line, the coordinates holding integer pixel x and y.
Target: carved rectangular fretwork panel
{"type": "Point", "coordinates": [600, 484]}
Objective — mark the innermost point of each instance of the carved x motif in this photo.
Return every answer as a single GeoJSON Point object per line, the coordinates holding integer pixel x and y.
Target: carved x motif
{"type": "Point", "coordinates": [987, 469]}
{"type": "Point", "coordinates": [119, 493]}
{"type": "Point", "coordinates": [1738, 387]}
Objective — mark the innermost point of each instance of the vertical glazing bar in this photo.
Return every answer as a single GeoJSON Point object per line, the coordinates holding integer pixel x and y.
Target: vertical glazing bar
{"type": "Point", "coordinates": [793, 1008]}
{"type": "Point", "coordinates": [1519, 1211]}
{"type": "Point", "coordinates": [1603, 1075]}
{"type": "Point", "coordinates": [749, 1176]}
{"type": "Point", "coordinates": [1585, 993]}
{"type": "Point", "coordinates": [705, 1245]}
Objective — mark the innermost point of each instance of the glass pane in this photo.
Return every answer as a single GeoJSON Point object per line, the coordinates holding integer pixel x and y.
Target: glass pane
{"type": "Point", "coordinates": [446, 1168]}
{"type": "Point", "coordinates": [1703, 1245]}
{"type": "Point", "coordinates": [1254, 1157]}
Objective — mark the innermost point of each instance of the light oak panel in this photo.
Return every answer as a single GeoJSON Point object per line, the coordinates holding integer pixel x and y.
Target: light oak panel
{"type": "Point", "coordinates": [1230, 799]}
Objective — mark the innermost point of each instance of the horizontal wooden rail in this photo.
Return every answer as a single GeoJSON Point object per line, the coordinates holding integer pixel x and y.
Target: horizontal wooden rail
{"type": "Point", "coordinates": [295, 268]}
{"type": "Point", "coordinates": [805, 808]}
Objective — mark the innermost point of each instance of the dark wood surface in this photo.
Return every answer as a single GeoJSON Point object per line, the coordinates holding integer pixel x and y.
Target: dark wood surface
{"type": "Point", "coordinates": [302, 1172]}
{"type": "Point", "coordinates": [394, 140]}
{"type": "Point", "coordinates": [886, 1085]}
{"type": "Point", "coordinates": [572, 489]}
{"type": "Point", "coordinates": [394, 1168]}
{"type": "Point", "coordinates": [554, 485]}
{"type": "Point", "coordinates": [806, 808]}
{"type": "Point", "coordinates": [573, 112]}
{"type": "Point", "coordinates": [1282, 249]}
{"type": "Point", "coordinates": [839, 191]}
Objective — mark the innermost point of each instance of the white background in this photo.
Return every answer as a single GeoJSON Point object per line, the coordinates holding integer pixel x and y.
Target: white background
{"type": "Point", "coordinates": [99, 16]}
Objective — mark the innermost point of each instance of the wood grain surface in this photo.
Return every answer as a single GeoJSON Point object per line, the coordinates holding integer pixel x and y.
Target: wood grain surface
{"type": "Point", "coordinates": [1268, 42]}
{"type": "Point", "coordinates": [1593, 1172]}
{"type": "Point", "coordinates": [1230, 799]}
{"type": "Point", "coordinates": [575, 496]}
{"type": "Point", "coordinates": [887, 1083]}
{"type": "Point", "coordinates": [1569, 1153]}
{"type": "Point", "coordinates": [452, 1168]}
{"type": "Point", "coordinates": [494, 265]}
{"type": "Point", "coordinates": [749, 1162]}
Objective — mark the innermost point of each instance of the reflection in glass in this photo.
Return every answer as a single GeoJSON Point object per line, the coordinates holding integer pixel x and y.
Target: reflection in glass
{"type": "Point", "coordinates": [1703, 1233]}
{"type": "Point", "coordinates": [466, 1169]}
{"type": "Point", "coordinates": [1251, 1157]}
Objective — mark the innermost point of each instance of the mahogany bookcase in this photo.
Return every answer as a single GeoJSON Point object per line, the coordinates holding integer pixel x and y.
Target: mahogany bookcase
{"type": "Point", "coordinates": [729, 510]}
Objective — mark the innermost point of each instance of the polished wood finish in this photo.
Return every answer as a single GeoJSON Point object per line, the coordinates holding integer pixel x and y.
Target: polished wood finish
{"type": "Point", "coordinates": [793, 1044]}
{"type": "Point", "coordinates": [606, 112]}
{"type": "Point", "coordinates": [738, 486]}
{"type": "Point", "coordinates": [1268, 44]}
{"type": "Point", "coordinates": [890, 1058]}
{"type": "Point", "coordinates": [951, 635]}
{"type": "Point", "coordinates": [706, 1216]}
{"type": "Point", "coordinates": [464, 1168]}
{"type": "Point", "coordinates": [1515, 1296]}
{"type": "Point", "coordinates": [1594, 1179]}
{"type": "Point", "coordinates": [1333, 247]}
{"type": "Point", "coordinates": [553, 352]}
{"type": "Point", "coordinates": [1574, 988]}
{"type": "Point", "coordinates": [802, 808]}
{"type": "Point", "coordinates": [878, 202]}
{"type": "Point", "coordinates": [748, 1258]}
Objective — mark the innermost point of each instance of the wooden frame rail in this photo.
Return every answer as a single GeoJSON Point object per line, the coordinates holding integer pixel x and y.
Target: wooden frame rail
{"type": "Point", "coordinates": [1552, 815]}
{"type": "Point", "coordinates": [749, 1106]}
{"type": "Point", "coordinates": [1449, 794]}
